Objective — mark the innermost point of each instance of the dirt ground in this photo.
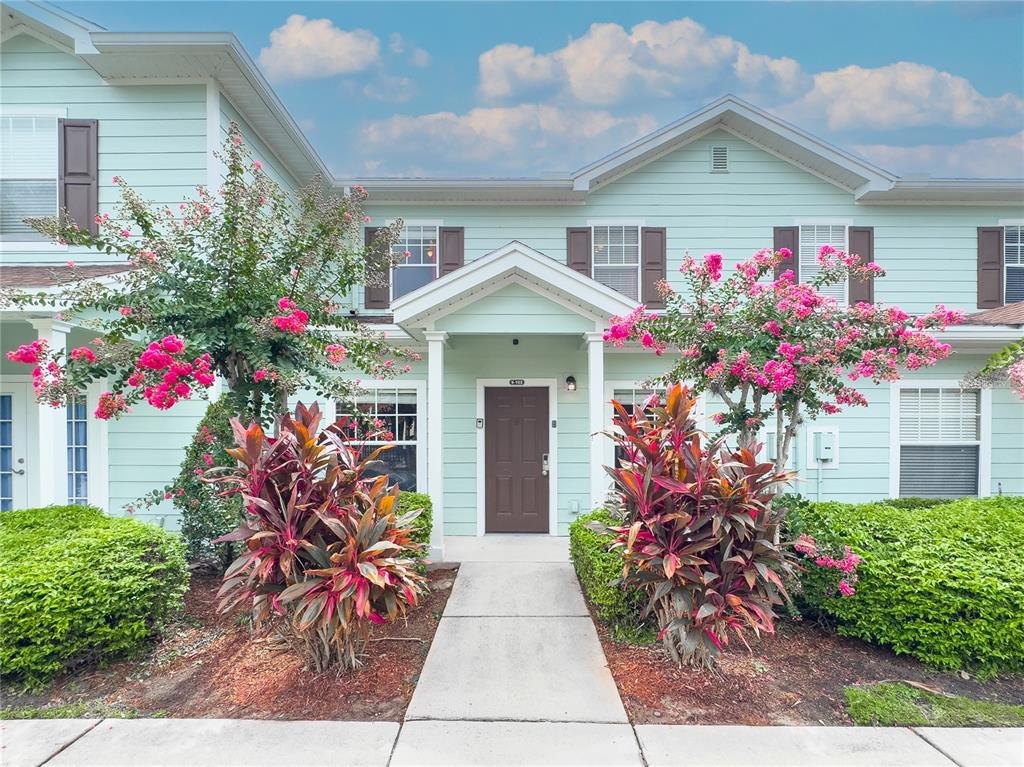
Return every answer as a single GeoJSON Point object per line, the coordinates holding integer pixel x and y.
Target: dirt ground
{"type": "Point", "coordinates": [209, 666]}
{"type": "Point", "coordinates": [796, 676]}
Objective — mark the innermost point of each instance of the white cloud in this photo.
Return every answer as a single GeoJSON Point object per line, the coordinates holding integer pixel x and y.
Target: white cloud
{"type": "Point", "coordinates": [520, 139]}
{"type": "Point", "coordinates": [420, 58]}
{"type": "Point", "coordinates": [999, 157]}
{"type": "Point", "coordinates": [609, 65]}
{"type": "Point", "coordinates": [389, 88]}
{"type": "Point", "coordinates": [901, 95]}
{"type": "Point", "coordinates": [314, 48]}
{"type": "Point", "coordinates": [396, 43]}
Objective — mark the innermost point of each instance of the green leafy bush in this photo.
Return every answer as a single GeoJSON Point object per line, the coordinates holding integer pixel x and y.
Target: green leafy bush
{"type": "Point", "coordinates": [81, 587]}
{"type": "Point", "coordinates": [916, 503]}
{"type": "Point", "coordinates": [205, 514]}
{"type": "Point", "coordinates": [944, 584]}
{"type": "Point", "coordinates": [409, 501]}
{"type": "Point", "coordinates": [599, 570]}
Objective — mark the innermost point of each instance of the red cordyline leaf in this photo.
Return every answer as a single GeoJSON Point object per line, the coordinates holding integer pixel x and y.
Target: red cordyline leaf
{"type": "Point", "coordinates": [697, 516]}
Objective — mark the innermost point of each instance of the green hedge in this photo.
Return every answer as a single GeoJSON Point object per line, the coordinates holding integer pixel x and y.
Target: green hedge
{"type": "Point", "coordinates": [409, 501]}
{"type": "Point", "coordinates": [598, 569]}
{"type": "Point", "coordinates": [77, 586]}
{"type": "Point", "coordinates": [942, 583]}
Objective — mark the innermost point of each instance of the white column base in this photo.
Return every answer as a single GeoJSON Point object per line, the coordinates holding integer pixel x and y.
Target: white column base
{"type": "Point", "coordinates": [435, 438]}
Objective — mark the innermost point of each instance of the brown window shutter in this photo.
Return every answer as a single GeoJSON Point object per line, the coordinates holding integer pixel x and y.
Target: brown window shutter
{"type": "Point", "coordinates": [652, 265]}
{"type": "Point", "coordinates": [453, 249]}
{"type": "Point", "coordinates": [861, 241]}
{"type": "Point", "coordinates": [990, 267]}
{"type": "Point", "coordinates": [788, 237]}
{"type": "Point", "coordinates": [578, 250]}
{"type": "Point", "coordinates": [78, 171]}
{"type": "Point", "coordinates": [376, 298]}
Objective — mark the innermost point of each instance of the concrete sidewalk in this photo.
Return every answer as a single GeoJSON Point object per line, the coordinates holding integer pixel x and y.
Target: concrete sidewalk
{"type": "Point", "coordinates": [251, 743]}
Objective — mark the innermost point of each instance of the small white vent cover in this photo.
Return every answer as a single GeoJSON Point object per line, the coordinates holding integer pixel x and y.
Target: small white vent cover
{"type": "Point", "coordinates": [719, 159]}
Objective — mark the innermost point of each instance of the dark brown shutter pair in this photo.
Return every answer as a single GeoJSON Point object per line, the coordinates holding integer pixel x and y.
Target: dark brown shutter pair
{"type": "Point", "coordinates": [860, 240]}
{"type": "Point", "coordinates": [78, 171]}
{"type": "Point", "coordinates": [452, 246]}
{"type": "Point", "coordinates": [579, 257]}
{"type": "Point", "coordinates": [990, 267]}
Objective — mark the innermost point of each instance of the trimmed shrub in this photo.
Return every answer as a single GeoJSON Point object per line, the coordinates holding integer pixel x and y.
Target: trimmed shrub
{"type": "Point", "coordinates": [944, 584]}
{"type": "Point", "coordinates": [410, 501]}
{"type": "Point", "coordinates": [916, 503]}
{"type": "Point", "coordinates": [599, 571]}
{"type": "Point", "coordinates": [80, 587]}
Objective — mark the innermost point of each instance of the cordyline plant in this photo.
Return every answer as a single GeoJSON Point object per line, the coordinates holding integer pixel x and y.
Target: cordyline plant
{"type": "Point", "coordinates": [241, 283]}
{"type": "Point", "coordinates": [325, 555]}
{"type": "Point", "coordinates": [699, 529]}
{"type": "Point", "coordinates": [780, 347]}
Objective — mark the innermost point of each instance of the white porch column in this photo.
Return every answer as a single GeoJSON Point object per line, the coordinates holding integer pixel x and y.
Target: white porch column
{"type": "Point", "coordinates": [595, 398]}
{"type": "Point", "coordinates": [435, 437]}
{"type": "Point", "coordinates": [48, 462]}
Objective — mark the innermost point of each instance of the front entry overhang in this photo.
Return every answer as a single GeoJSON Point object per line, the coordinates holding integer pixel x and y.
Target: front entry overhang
{"type": "Point", "coordinates": [512, 264]}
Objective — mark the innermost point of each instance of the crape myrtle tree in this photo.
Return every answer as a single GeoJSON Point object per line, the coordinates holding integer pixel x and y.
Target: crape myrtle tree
{"type": "Point", "coordinates": [242, 283]}
{"type": "Point", "coordinates": [775, 349]}
{"type": "Point", "coordinates": [1005, 365]}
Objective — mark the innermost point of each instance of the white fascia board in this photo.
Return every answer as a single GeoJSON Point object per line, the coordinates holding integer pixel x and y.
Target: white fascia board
{"type": "Point", "coordinates": [435, 298]}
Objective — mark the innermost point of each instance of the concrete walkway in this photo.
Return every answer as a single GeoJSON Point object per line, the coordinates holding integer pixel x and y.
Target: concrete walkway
{"type": "Point", "coordinates": [515, 676]}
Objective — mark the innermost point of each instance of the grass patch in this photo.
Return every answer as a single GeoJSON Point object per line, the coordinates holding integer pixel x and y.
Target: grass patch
{"type": "Point", "coordinates": [83, 710]}
{"type": "Point", "coordinates": [899, 705]}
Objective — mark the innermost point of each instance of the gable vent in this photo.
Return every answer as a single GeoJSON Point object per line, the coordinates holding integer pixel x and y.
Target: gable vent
{"type": "Point", "coordinates": [719, 159]}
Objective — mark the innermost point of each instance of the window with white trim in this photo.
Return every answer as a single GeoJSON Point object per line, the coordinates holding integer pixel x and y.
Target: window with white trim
{"type": "Point", "coordinates": [6, 452]}
{"type": "Point", "coordinates": [812, 237]}
{"type": "Point", "coordinates": [28, 174]}
{"type": "Point", "coordinates": [78, 450]}
{"type": "Point", "coordinates": [394, 410]}
{"type": "Point", "coordinates": [1013, 262]}
{"type": "Point", "coordinates": [940, 442]}
{"type": "Point", "coordinates": [633, 400]}
{"type": "Point", "coordinates": [616, 261]}
{"type": "Point", "coordinates": [419, 267]}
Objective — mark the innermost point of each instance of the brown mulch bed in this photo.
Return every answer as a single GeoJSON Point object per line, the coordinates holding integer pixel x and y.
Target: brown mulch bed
{"type": "Point", "coordinates": [796, 676]}
{"type": "Point", "coordinates": [210, 666]}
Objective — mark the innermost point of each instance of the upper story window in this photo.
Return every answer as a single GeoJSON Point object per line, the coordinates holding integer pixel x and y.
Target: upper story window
{"type": "Point", "coordinates": [812, 237]}
{"type": "Point", "coordinates": [616, 260]}
{"type": "Point", "coordinates": [939, 441]}
{"type": "Point", "coordinates": [1013, 261]}
{"type": "Point", "coordinates": [420, 266]}
{"type": "Point", "coordinates": [28, 174]}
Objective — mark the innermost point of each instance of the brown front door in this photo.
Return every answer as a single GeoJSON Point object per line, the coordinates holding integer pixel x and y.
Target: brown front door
{"type": "Point", "coordinates": [516, 441]}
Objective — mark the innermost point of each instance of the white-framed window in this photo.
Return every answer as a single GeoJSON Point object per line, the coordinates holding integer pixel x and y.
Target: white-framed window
{"type": "Point", "coordinates": [6, 451]}
{"type": "Point", "coordinates": [420, 241]}
{"type": "Point", "coordinates": [78, 450]}
{"type": "Point", "coordinates": [397, 408]}
{"type": "Point", "coordinates": [1013, 262]}
{"type": "Point", "coordinates": [616, 257]}
{"type": "Point", "coordinates": [633, 400]}
{"type": "Point", "coordinates": [28, 174]}
{"type": "Point", "coordinates": [812, 237]}
{"type": "Point", "coordinates": [940, 441]}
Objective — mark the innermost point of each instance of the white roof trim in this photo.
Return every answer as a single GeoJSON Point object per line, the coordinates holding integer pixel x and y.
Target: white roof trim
{"type": "Point", "coordinates": [517, 263]}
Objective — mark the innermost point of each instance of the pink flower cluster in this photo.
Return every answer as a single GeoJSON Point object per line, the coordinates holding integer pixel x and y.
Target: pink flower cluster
{"type": "Point", "coordinates": [110, 405]}
{"type": "Point", "coordinates": [83, 354]}
{"type": "Point", "coordinates": [621, 329]}
{"type": "Point", "coordinates": [807, 546]}
{"type": "Point", "coordinates": [166, 376]}
{"type": "Point", "coordinates": [29, 354]}
{"type": "Point", "coordinates": [336, 354]}
{"type": "Point", "coordinates": [294, 320]}
{"type": "Point", "coordinates": [1016, 375]}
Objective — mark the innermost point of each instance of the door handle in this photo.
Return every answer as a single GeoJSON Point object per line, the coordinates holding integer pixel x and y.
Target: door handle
{"type": "Point", "coordinates": [17, 471]}
{"type": "Point", "coordinates": [544, 465]}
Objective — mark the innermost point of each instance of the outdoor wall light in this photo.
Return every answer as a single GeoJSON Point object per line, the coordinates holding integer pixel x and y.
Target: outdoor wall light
{"type": "Point", "coordinates": [570, 383]}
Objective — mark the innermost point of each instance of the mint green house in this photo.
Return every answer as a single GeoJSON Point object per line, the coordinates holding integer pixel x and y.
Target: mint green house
{"type": "Point", "coordinates": [509, 287]}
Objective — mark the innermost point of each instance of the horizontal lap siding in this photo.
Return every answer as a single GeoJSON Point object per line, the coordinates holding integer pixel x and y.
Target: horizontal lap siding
{"type": "Point", "coordinates": [152, 135]}
{"type": "Point", "coordinates": [928, 251]}
{"type": "Point", "coordinates": [259, 151]}
{"type": "Point", "coordinates": [514, 309]}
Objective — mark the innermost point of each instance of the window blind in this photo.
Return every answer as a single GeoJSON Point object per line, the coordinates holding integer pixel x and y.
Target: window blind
{"type": "Point", "coordinates": [1013, 258]}
{"type": "Point", "coordinates": [812, 237]}
{"type": "Point", "coordinates": [938, 471]}
{"type": "Point", "coordinates": [28, 169]}
{"type": "Point", "coordinates": [939, 415]}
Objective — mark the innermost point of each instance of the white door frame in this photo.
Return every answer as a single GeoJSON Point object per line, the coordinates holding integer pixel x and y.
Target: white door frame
{"type": "Point", "coordinates": [18, 389]}
{"type": "Point", "coordinates": [481, 488]}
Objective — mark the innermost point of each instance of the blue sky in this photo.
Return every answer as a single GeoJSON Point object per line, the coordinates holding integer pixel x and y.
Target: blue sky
{"type": "Point", "coordinates": [522, 88]}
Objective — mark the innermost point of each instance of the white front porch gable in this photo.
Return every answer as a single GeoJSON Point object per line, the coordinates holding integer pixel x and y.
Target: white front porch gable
{"type": "Point", "coordinates": [512, 292]}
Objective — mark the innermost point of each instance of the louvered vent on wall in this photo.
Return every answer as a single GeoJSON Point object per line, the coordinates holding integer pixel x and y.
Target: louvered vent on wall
{"type": "Point", "coordinates": [719, 159]}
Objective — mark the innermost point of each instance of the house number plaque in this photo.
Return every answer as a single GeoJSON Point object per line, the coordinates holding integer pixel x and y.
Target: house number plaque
{"type": "Point", "coordinates": [517, 382]}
